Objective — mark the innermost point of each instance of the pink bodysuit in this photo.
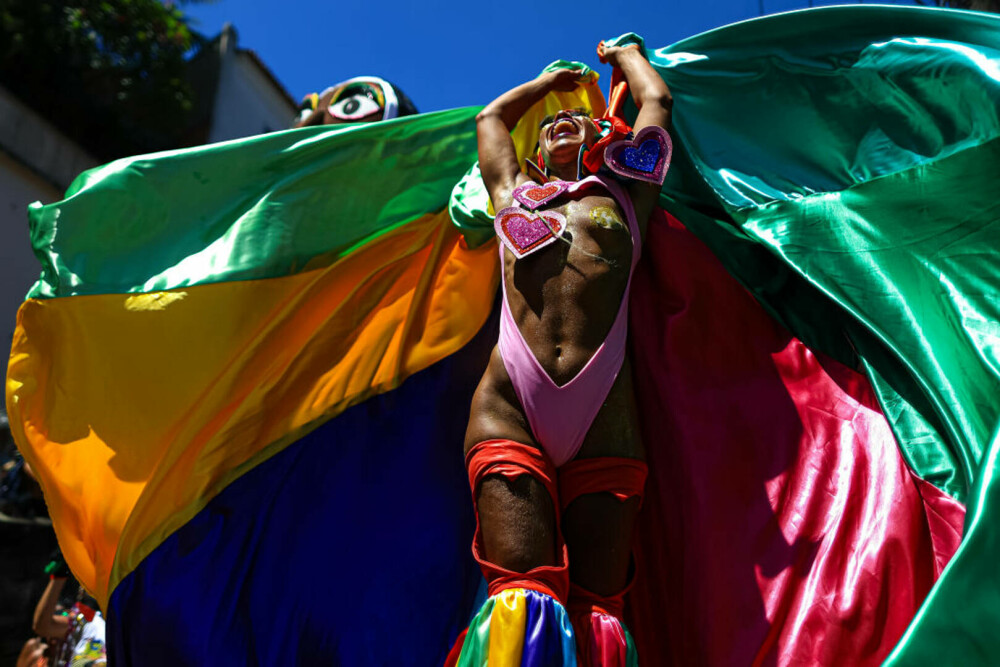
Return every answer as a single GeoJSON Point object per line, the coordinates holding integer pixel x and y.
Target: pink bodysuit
{"type": "Point", "coordinates": [560, 416]}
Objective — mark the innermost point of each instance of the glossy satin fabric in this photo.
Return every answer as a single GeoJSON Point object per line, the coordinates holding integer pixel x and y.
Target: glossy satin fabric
{"type": "Point", "coordinates": [518, 628]}
{"type": "Point", "coordinates": [781, 525]}
{"type": "Point", "coordinates": [136, 404]}
{"type": "Point", "coordinates": [602, 640]}
{"type": "Point", "coordinates": [854, 195]}
{"type": "Point", "coordinates": [266, 206]}
{"type": "Point", "coordinates": [860, 159]}
{"type": "Point", "coordinates": [199, 314]}
{"type": "Point", "coordinates": [346, 547]}
{"type": "Point", "coordinates": [510, 460]}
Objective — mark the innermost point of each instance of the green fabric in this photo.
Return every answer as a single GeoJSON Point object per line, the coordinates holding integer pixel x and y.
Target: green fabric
{"type": "Point", "coordinates": [923, 282]}
{"type": "Point", "coordinates": [831, 99]}
{"type": "Point", "coordinates": [631, 652]}
{"type": "Point", "coordinates": [476, 648]}
{"type": "Point", "coordinates": [469, 208]}
{"type": "Point", "coordinates": [838, 96]}
{"type": "Point", "coordinates": [855, 195]}
{"type": "Point", "coordinates": [847, 162]}
{"type": "Point", "coordinates": [568, 64]}
{"type": "Point", "coordinates": [957, 625]}
{"type": "Point", "coordinates": [626, 39]}
{"type": "Point", "coordinates": [171, 220]}
{"type": "Point", "coordinates": [912, 257]}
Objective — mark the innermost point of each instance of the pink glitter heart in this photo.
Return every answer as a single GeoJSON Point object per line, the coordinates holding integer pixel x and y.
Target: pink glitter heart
{"type": "Point", "coordinates": [533, 195]}
{"type": "Point", "coordinates": [644, 158]}
{"type": "Point", "coordinates": [524, 232]}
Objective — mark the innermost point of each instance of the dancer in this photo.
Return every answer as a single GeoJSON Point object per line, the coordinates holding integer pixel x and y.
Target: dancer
{"type": "Point", "coordinates": [553, 449]}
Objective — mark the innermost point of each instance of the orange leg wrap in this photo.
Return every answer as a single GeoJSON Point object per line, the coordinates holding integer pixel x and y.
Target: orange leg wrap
{"type": "Point", "coordinates": [511, 460]}
{"type": "Point", "coordinates": [623, 478]}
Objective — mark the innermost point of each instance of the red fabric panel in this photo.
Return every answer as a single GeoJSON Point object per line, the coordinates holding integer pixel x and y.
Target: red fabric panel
{"type": "Point", "coordinates": [623, 478]}
{"type": "Point", "coordinates": [781, 525]}
{"type": "Point", "coordinates": [456, 650]}
{"type": "Point", "coordinates": [600, 639]}
{"type": "Point", "coordinates": [946, 518]}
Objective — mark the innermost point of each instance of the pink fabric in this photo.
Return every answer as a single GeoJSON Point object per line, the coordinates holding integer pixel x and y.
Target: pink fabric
{"type": "Point", "coordinates": [600, 639]}
{"type": "Point", "coordinates": [600, 636]}
{"type": "Point", "coordinates": [945, 519]}
{"type": "Point", "coordinates": [558, 428]}
{"type": "Point", "coordinates": [781, 525]}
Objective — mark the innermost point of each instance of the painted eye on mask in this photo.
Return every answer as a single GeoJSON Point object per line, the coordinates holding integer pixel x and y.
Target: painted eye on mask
{"type": "Point", "coordinates": [354, 107]}
{"type": "Point", "coordinates": [307, 106]}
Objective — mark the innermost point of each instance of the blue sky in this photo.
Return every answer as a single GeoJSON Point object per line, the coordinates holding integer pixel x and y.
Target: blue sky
{"type": "Point", "coordinates": [447, 54]}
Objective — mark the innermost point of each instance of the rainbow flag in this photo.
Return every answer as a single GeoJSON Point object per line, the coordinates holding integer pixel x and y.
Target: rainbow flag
{"type": "Point", "coordinates": [245, 372]}
{"type": "Point", "coordinates": [201, 318]}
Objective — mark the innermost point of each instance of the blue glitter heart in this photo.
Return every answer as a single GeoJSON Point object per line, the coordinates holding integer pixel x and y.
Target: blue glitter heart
{"type": "Point", "coordinates": [643, 158]}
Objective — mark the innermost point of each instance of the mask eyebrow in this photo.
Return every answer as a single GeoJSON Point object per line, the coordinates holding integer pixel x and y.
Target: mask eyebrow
{"type": "Point", "coordinates": [545, 121]}
{"type": "Point", "coordinates": [309, 102]}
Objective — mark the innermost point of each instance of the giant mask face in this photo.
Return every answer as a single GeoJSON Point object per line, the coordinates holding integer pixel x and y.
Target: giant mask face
{"type": "Point", "coordinates": [363, 99]}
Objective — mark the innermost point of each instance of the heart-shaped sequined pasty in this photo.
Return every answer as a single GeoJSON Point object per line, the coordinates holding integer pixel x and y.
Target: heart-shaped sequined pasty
{"type": "Point", "coordinates": [532, 195]}
{"type": "Point", "coordinates": [644, 158]}
{"type": "Point", "coordinates": [524, 232]}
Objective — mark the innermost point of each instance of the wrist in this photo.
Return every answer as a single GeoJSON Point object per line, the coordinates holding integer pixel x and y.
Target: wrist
{"type": "Point", "coordinates": [546, 80]}
{"type": "Point", "coordinates": [629, 53]}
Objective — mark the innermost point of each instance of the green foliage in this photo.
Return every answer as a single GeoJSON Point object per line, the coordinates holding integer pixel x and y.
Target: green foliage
{"type": "Point", "coordinates": [108, 73]}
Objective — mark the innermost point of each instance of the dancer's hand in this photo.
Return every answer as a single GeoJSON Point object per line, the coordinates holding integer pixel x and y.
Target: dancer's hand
{"type": "Point", "coordinates": [564, 80]}
{"type": "Point", "coordinates": [57, 566]}
{"type": "Point", "coordinates": [498, 161]}
{"type": "Point", "coordinates": [612, 54]}
{"type": "Point", "coordinates": [650, 93]}
{"type": "Point", "coordinates": [32, 654]}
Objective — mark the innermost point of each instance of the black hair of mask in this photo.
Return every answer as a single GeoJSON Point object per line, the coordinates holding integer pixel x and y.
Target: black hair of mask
{"type": "Point", "coordinates": [406, 107]}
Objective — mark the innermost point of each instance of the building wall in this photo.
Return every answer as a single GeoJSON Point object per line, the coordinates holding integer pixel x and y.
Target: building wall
{"type": "Point", "coordinates": [18, 266]}
{"type": "Point", "coordinates": [247, 101]}
{"type": "Point", "coordinates": [37, 163]}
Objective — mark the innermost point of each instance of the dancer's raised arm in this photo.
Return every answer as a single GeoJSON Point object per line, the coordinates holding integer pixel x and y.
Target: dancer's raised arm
{"type": "Point", "coordinates": [497, 157]}
{"type": "Point", "coordinates": [648, 90]}
{"type": "Point", "coordinates": [655, 104]}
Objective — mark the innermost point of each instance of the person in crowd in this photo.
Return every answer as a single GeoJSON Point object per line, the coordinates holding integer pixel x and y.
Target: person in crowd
{"type": "Point", "coordinates": [78, 635]}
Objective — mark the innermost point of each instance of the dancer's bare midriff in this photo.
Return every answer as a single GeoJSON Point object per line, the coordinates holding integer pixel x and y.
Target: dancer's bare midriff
{"type": "Point", "coordinates": [564, 299]}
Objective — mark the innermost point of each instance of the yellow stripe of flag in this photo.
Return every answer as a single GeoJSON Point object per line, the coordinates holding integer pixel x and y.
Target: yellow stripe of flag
{"type": "Point", "coordinates": [138, 409]}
